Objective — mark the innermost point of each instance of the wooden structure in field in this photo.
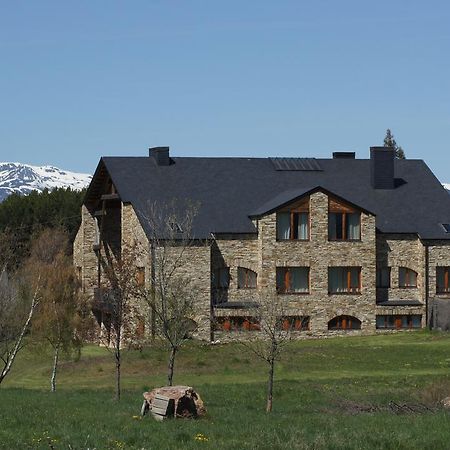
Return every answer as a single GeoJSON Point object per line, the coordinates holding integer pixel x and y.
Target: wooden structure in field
{"type": "Point", "coordinates": [172, 402]}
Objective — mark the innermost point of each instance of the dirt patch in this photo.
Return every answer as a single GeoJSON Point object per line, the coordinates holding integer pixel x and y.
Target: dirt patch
{"type": "Point", "coordinates": [353, 408]}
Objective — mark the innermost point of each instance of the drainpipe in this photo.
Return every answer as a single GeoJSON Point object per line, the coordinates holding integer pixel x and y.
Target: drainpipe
{"type": "Point", "coordinates": [427, 283]}
{"type": "Point", "coordinates": [153, 278]}
{"type": "Point", "coordinates": [211, 300]}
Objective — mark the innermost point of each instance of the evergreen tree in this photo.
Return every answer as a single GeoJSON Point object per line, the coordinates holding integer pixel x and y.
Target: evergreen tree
{"type": "Point", "coordinates": [24, 216]}
{"type": "Point", "coordinates": [389, 141]}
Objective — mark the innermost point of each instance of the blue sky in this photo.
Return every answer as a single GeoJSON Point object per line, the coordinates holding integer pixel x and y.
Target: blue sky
{"type": "Point", "coordinates": [83, 79]}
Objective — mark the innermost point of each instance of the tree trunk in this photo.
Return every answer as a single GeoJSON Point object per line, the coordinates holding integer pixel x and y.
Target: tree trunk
{"type": "Point", "coordinates": [55, 368]}
{"type": "Point", "coordinates": [118, 359]}
{"type": "Point", "coordinates": [171, 366]}
{"type": "Point", "coordinates": [270, 388]}
{"type": "Point", "coordinates": [12, 356]}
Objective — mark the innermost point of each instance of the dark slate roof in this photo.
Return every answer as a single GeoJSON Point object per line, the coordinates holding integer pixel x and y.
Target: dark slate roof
{"type": "Point", "coordinates": [229, 190]}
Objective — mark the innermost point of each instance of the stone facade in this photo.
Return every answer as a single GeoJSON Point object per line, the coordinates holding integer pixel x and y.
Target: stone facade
{"type": "Point", "coordinates": [266, 253]}
{"type": "Point", "coordinates": [262, 253]}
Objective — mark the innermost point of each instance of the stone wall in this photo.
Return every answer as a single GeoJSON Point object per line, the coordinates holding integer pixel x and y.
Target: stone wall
{"type": "Point", "coordinates": [266, 254]}
{"type": "Point", "coordinates": [402, 250]}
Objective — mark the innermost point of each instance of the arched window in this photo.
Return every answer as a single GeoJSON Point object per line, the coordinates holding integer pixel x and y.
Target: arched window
{"type": "Point", "coordinates": [246, 278]}
{"type": "Point", "coordinates": [407, 278]}
{"type": "Point", "coordinates": [344, 323]}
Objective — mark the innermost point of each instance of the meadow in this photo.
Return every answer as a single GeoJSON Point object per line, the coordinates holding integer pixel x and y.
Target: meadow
{"type": "Point", "coordinates": [329, 394]}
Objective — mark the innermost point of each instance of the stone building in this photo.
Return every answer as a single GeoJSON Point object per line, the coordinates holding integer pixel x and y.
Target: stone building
{"type": "Point", "coordinates": [349, 245]}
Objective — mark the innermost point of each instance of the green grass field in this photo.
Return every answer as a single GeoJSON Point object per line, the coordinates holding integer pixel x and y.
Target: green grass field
{"type": "Point", "coordinates": [322, 391]}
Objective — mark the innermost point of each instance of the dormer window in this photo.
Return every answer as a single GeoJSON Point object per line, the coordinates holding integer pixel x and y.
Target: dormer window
{"type": "Point", "coordinates": [344, 222]}
{"type": "Point", "coordinates": [293, 222]}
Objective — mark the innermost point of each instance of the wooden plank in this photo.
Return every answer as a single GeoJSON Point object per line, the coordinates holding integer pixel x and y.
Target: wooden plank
{"type": "Point", "coordinates": [158, 403]}
{"type": "Point", "coordinates": [159, 411]}
{"type": "Point", "coordinates": [110, 197]}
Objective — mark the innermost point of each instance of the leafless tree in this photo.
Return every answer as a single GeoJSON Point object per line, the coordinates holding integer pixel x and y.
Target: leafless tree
{"type": "Point", "coordinates": [275, 331]}
{"type": "Point", "coordinates": [19, 298]}
{"type": "Point", "coordinates": [171, 295]}
{"type": "Point", "coordinates": [119, 300]}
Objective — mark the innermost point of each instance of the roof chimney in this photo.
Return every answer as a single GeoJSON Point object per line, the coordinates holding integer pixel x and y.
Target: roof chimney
{"type": "Point", "coordinates": [343, 155]}
{"type": "Point", "coordinates": [160, 155]}
{"type": "Point", "coordinates": [382, 167]}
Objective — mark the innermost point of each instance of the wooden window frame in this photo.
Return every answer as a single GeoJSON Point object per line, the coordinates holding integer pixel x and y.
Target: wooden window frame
{"type": "Point", "coordinates": [398, 321]}
{"type": "Point", "coordinates": [247, 273]}
{"type": "Point", "coordinates": [337, 207]}
{"type": "Point", "coordinates": [350, 290]}
{"type": "Point", "coordinates": [346, 321]}
{"type": "Point", "coordinates": [407, 278]}
{"type": "Point", "coordinates": [286, 280]}
{"type": "Point", "coordinates": [295, 323]}
{"type": "Point", "coordinates": [237, 323]}
{"type": "Point", "coordinates": [446, 289]}
{"type": "Point", "coordinates": [301, 207]}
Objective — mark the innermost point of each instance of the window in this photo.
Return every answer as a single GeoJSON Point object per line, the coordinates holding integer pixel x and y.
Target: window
{"type": "Point", "coordinates": [446, 227]}
{"type": "Point", "coordinates": [295, 323]}
{"type": "Point", "coordinates": [344, 280]}
{"type": "Point", "coordinates": [344, 227]}
{"type": "Point", "coordinates": [399, 322]}
{"type": "Point", "coordinates": [221, 278]}
{"type": "Point", "coordinates": [246, 278]}
{"type": "Point", "coordinates": [294, 223]}
{"type": "Point", "coordinates": [237, 324]}
{"type": "Point", "coordinates": [140, 276]}
{"type": "Point", "coordinates": [442, 276]}
{"type": "Point", "coordinates": [407, 278]}
{"type": "Point", "coordinates": [344, 323]}
{"type": "Point", "coordinates": [344, 222]}
{"type": "Point", "coordinates": [384, 277]}
{"type": "Point", "coordinates": [293, 280]}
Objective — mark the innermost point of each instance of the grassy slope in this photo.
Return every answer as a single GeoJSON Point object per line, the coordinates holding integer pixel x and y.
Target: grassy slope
{"type": "Point", "coordinates": [313, 382]}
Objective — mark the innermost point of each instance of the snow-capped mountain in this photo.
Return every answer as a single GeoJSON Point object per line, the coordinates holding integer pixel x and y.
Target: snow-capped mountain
{"type": "Point", "coordinates": [24, 178]}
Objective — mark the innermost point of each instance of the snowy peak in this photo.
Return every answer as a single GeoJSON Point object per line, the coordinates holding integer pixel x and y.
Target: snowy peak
{"type": "Point", "coordinates": [24, 178]}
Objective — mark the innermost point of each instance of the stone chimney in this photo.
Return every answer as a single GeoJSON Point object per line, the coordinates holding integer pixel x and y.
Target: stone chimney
{"type": "Point", "coordinates": [160, 155]}
{"type": "Point", "coordinates": [382, 167]}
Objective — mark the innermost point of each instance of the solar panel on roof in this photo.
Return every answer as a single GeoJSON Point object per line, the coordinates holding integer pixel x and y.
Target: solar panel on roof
{"type": "Point", "coordinates": [301, 164]}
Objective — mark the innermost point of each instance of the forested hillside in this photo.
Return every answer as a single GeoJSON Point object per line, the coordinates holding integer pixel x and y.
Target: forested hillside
{"type": "Point", "coordinates": [21, 217]}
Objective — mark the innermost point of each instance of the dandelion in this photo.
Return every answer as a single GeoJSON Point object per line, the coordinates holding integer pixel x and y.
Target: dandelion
{"type": "Point", "coordinates": [201, 437]}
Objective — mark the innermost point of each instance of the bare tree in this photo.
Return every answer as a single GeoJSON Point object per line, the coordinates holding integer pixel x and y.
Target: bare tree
{"type": "Point", "coordinates": [275, 331]}
{"type": "Point", "coordinates": [19, 298]}
{"type": "Point", "coordinates": [171, 295]}
{"type": "Point", "coordinates": [119, 303]}
{"type": "Point", "coordinates": [58, 319]}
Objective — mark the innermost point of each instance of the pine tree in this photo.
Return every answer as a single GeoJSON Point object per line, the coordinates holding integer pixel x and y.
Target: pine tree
{"type": "Point", "coordinates": [389, 141]}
